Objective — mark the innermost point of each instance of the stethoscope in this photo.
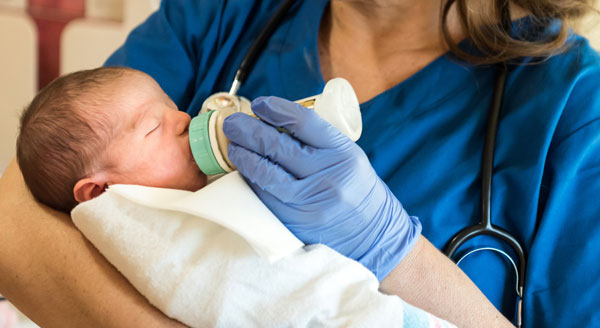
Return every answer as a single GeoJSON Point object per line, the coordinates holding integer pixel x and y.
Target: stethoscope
{"type": "Point", "coordinates": [485, 226]}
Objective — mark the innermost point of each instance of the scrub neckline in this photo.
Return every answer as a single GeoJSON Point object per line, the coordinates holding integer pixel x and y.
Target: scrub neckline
{"type": "Point", "coordinates": [307, 37]}
{"type": "Point", "coordinates": [304, 36]}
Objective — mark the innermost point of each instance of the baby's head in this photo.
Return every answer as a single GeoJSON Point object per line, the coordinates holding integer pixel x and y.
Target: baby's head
{"type": "Point", "coordinates": [90, 129]}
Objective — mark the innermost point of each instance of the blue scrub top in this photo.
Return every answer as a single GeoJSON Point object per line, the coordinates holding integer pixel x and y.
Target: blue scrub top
{"type": "Point", "coordinates": [425, 137]}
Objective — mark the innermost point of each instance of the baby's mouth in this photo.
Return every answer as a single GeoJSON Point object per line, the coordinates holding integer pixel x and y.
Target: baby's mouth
{"type": "Point", "coordinates": [186, 132]}
{"type": "Point", "coordinates": [189, 152]}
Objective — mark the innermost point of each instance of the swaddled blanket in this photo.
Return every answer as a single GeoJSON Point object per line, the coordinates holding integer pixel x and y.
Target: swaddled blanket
{"type": "Point", "coordinates": [218, 257]}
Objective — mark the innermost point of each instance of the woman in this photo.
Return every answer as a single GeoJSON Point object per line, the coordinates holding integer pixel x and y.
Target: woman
{"type": "Point", "coordinates": [424, 119]}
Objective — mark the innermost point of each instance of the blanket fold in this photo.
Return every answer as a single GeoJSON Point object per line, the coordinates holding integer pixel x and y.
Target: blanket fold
{"type": "Point", "coordinates": [207, 262]}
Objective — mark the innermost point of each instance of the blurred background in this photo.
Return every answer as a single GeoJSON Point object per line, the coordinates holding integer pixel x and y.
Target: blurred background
{"type": "Point", "coordinates": [41, 39]}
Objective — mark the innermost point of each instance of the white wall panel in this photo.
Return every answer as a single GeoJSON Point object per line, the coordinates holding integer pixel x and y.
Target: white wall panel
{"type": "Point", "coordinates": [87, 43]}
{"type": "Point", "coordinates": [16, 4]}
{"type": "Point", "coordinates": [18, 78]}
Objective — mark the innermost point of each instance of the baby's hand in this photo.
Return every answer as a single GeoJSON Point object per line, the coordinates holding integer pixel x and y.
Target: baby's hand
{"type": "Point", "coordinates": [8, 317]}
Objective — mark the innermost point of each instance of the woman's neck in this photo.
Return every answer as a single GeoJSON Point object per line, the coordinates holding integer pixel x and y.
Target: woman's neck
{"type": "Point", "coordinates": [378, 44]}
{"type": "Point", "coordinates": [389, 25]}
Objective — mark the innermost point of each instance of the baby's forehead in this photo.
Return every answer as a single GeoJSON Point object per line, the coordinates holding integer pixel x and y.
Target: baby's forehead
{"type": "Point", "coordinates": [132, 97]}
{"type": "Point", "coordinates": [103, 120]}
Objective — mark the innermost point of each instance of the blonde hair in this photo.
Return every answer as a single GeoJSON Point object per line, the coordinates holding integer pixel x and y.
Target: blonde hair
{"type": "Point", "coordinates": [487, 32]}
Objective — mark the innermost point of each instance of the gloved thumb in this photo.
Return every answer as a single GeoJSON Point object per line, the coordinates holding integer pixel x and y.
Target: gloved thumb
{"type": "Point", "coordinates": [303, 123]}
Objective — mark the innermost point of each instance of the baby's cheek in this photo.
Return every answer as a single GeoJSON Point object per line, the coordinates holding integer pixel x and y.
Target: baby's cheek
{"type": "Point", "coordinates": [125, 156]}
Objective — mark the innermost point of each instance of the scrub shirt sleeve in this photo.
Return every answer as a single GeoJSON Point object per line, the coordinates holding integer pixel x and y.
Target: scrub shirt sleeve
{"type": "Point", "coordinates": [564, 260]}
{"type": "Point", "coordinates": [167, 45]}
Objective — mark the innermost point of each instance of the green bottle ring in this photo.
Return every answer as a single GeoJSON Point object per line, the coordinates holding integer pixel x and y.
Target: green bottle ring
{"type": "Point", "coordinates": [200, 145]}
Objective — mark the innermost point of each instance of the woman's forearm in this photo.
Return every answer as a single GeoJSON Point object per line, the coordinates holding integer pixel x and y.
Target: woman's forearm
{"type": "Point", "coordinates": [429, 280]}
{"type": "Point", "coordinates": [54, 275]}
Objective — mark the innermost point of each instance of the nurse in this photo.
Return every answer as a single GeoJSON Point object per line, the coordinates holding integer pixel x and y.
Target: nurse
{"type": "Point", "coordinates": [424, 110]}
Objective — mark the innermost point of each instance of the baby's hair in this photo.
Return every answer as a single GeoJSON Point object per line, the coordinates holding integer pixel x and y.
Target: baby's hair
{"type": "Point", "coordinates": [64, 133]}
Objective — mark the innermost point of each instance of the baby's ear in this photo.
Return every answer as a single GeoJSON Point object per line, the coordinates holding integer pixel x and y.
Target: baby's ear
{"type": "Point", "coordinates": [88, 188]}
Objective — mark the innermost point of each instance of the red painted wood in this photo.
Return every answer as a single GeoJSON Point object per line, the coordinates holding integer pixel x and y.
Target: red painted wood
{"type": "Point", "coordinates": [50, 17]}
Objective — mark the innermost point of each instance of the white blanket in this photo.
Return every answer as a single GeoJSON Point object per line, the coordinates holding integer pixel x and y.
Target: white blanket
{"type": "Point", "coordinates": [240, 268]}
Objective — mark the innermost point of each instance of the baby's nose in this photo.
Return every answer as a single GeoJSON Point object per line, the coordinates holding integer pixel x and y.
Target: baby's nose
{"type": "Point", "coordinates": [181, 121]}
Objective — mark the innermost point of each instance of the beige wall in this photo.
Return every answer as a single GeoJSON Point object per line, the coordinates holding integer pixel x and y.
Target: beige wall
{"type": "Point", "coordinates": [18, 77]}
{"type": "Point", "coordinates": [86, 43]}
{"type": "Point", "coordinates": [590, 27]}
{"type": "Point", "coordinates": [19, 4]}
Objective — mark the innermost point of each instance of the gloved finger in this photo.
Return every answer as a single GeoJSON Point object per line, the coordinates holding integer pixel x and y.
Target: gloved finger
{"type": "Point", "coordinates": [257, 136]}
{"type": "Point", "coordinates": [305, 227]}
{"type": "Point", "coordinates": [259, 170]}
{"type": "Point", "coordinates": [303, 123]}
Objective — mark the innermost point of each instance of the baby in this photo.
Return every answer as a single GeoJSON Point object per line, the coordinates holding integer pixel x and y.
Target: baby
{"type": "Point", "coordinates": [91, 129]}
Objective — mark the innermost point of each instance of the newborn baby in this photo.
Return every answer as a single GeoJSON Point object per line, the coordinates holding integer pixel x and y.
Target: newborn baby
{"type": "Point", "coordinates": [91, 129]}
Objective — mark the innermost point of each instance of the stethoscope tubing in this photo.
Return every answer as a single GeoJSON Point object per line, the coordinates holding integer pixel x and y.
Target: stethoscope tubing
{"type": "Point", "coordinates": [485, 226]}
{"type": "Point", "coordinates": [258, 45]}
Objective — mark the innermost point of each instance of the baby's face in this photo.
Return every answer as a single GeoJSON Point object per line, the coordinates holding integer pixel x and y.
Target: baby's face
{"type": "Point", "coordinates": [151, 145]}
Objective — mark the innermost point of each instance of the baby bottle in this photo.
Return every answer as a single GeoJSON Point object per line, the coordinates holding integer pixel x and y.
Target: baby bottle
{"type": "Point", "coordinates": [337, 104]}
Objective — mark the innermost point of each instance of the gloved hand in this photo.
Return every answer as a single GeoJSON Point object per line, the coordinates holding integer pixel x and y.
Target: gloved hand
{"type": "Point", "coordinates": [320, 184]}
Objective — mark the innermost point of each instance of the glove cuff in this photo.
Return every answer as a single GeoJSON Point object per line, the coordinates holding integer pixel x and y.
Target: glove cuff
{"type": "Point", "coordinates": [383, 258]}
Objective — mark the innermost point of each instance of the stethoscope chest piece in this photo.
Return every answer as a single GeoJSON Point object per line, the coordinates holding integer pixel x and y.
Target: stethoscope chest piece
{"type": "Point", "coordinates": [224, 100]}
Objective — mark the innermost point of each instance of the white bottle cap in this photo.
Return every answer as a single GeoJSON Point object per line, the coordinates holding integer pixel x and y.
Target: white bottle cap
{"type": "Point", "coordinates": [339, 106]}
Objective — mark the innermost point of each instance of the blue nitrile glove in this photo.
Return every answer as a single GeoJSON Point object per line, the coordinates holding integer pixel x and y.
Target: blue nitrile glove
{"type": "Point", "coordinates": [320, 184]}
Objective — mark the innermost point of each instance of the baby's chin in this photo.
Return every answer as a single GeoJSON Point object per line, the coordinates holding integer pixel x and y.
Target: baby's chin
{"type": "Point", "coordinates": [197, 182]}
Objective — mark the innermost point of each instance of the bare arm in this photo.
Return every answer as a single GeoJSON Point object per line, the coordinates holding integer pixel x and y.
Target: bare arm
{"type": "Point", "coordinates": [54, 275]}
{"type": "Point", "coordinates": [429, 280]}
